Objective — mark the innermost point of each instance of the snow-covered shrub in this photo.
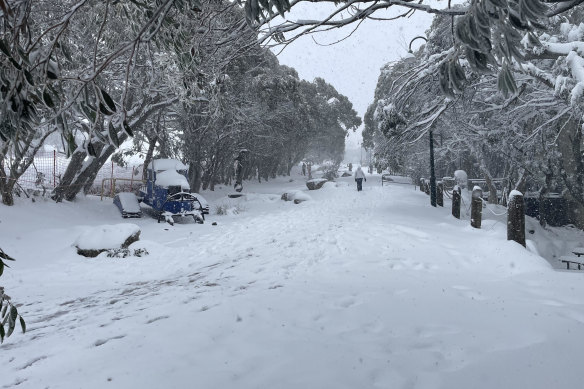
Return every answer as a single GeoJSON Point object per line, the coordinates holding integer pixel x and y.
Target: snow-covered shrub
{"type": "Point", "coordinates": [228, 209]}
{"type": "Point", "coordinates": [123, 253]}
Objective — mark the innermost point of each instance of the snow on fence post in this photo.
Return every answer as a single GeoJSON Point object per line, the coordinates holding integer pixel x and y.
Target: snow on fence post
{"type": "Point", "coordinates": [516, 218]}
{"type": "Point", "coordinates": [440, 193]}
{"type": "Point", "coordinates": [456, 197]}
{"type": "Point", "coordinates": [476, 212]}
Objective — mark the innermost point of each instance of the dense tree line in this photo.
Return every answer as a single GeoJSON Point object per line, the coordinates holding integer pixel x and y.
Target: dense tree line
{"type": "Point", "coordinates": [183, 79]}
{"type": "Point", "coordinates": [524, 125]}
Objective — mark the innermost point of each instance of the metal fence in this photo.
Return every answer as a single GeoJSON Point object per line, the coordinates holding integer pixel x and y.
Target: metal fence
{"type": "Point", "coordinates": [48, 167]}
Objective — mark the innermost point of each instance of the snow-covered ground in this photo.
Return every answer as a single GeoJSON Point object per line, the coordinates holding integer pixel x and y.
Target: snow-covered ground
{"type": "Point", "coordinates": [372, 289]}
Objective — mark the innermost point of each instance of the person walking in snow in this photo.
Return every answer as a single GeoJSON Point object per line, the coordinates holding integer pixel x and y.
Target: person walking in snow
{"type": "Point", "coordinates": [303, 169]}
{"type": "Point", "coordinates": [359, 177]}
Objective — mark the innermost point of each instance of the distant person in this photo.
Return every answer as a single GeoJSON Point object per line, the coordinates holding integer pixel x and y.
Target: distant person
{"type": "Point", "coordinates": [359, 177]}
{"type": "Point", "coordinates": [350, 167]}
{"type": "Point", "coordinates": [303, 169]}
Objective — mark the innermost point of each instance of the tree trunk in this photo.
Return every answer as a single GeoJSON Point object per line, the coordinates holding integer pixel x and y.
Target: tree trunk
{"type": "Point", "coordinates": [149, 155]}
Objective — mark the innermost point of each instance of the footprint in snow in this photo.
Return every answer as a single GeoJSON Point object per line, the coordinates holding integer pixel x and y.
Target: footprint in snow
{"type": "Point", "coordinates": [156, 319]}
{"type": "Point", "coordinates": [101, 342]}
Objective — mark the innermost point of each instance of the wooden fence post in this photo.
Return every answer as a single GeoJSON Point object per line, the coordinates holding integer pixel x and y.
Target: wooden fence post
{"type": "Point", "coordinates": [516, 218]}
{"type": "Point", "coordinates": [456, 195]}
{"type": "Point", "coordinates": [440, 193]}
{"type": "Point", "coordinates": [476, 212]}
{"type": "Point", "coordinates": [427, 186]}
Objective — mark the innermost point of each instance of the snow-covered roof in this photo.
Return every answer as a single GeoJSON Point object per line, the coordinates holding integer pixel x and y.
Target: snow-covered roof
{"type": "Point", "coordinates": [171, 177]}
{"type": "Point", "coordinates": [167, 164]}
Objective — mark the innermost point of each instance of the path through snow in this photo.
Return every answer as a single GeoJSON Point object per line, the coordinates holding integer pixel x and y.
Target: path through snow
{"type": "Point", "coordinates": [351, 290]}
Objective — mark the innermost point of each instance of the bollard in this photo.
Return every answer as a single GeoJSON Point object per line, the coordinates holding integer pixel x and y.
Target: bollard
{"type": "Point", "coordinates": [456, 196]}
{"type": "Point", "coordinates": [476, 211]}
{"type": "Point", "coordinates": [421, 184]}
{"type": "Point", "coordinates": [516, 218]}
{"type": "Point", "coordinates": [440, 193]}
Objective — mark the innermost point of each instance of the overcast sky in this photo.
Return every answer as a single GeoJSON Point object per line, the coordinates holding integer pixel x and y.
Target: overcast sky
{"type": "Point", "coordinates": [352, 66]}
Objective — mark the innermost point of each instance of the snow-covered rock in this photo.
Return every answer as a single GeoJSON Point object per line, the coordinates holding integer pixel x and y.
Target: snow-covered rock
{"type": "Point", "coordinates": [98, 239]}
{"type": "Point", "coordinates": [315, 183]}
{"type": "Point", "coordinates": [297, 196]}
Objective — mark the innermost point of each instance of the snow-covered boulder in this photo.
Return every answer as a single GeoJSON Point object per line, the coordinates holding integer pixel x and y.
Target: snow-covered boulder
{"type": "Point", "coordinates": [106, 237]}
{"type": "Point", "coordinates": [297, 196]}
{"type": "Point", "coordinates": [315, 183]}
{"type": "Point", "coordinates": [347, 174]}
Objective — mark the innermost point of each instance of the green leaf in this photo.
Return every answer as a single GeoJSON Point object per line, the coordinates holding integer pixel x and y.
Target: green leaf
{"type": "Point", "coordinates": [28, 77]}
{"type": "Point", "coordinates": [4, 48]}
{"type": "Point", "coordinates": [127, 129]}
{"type": "Point", "coordinates": [3, 255]}
{"type": "Point", "coordinates": [47, 99]}
{"type": "Point", "coordinates": [108, 100]}
{"type": "Point", "coordinates": [2, 334]}
{"type": "Point", "coordinates": [89, 112]}
{"type": "Point", "coordinates": [104, 110]}
{"type": "Point", "coordinates": [22, 325]}
{"type": "Point", "coordinates": [1, 267]}
{"type": "Point", "coordinates": [51, 75]}
{"type": "Point", "coordinates": [3, 311]}
{"type": "Point", "coordinates": [114, 135]}
{"type": "Point", "coordinates": [11, 320]}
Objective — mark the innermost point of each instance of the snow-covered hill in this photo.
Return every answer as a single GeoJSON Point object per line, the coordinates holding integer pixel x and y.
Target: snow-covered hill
{"type": "Point", "coordinates": [372, 289]}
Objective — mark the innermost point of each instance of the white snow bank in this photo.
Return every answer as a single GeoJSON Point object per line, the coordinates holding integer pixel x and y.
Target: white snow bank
{"type": "Point", "coordinates": [167, 164]}
{"type": "Point", "coordinates": [171, 177]}
{"type": "Point", "coordinates": [106, 236]}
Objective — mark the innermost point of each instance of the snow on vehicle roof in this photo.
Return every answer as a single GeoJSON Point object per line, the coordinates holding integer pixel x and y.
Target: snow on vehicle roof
{"type": "Point", "coordinates": [167, 164]}
{"type": "Point", "coordinates": [171, 177]}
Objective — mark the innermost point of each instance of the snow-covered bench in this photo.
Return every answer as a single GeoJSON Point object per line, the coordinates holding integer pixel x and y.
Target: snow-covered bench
{"type": "Point", "coordinates": [568, 260]}
{"type": "Point", "coordinates": [386, 177]}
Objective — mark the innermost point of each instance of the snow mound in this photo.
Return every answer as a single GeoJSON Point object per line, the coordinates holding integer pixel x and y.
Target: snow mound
{"type": "Point", "coordinates": [297, 196]}
{"type": "Point", "coordinates": [329, 185]}
{"type": "Point", "coordinates": [106, 236]}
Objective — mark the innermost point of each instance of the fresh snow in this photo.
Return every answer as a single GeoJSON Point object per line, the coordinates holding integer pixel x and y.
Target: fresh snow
{"type": "Point", "coordinates": [129, 202]}
{"type": "Point", "coordinates": [371, 289]}
{"type": "Point", "coordinates": [514, 193]}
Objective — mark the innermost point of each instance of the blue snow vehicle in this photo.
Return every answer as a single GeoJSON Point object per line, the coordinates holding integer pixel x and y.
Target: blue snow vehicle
{"type": "Point", "coordinates": [167, 191]}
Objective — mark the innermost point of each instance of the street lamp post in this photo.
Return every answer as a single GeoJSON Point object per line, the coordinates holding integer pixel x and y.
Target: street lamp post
{"type": "Point", "coordinates": [432, 171]}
